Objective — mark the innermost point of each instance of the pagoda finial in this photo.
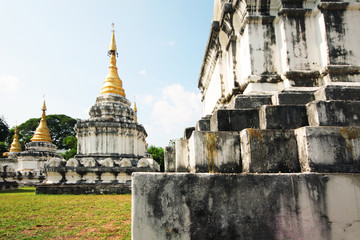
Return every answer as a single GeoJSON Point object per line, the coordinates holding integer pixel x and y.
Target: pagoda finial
{"type": "Point", "coordinates": [135, 110]}
{"type": "Point", "coordinates": [15, 145]}
{"type": "Point", "coordinates": [112, 82]}
{"type": "Point", "coordinates": [42, 132]}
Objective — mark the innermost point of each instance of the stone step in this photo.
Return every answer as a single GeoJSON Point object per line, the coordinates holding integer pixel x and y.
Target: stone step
{"type": "Point", "coordinates": [214, 152]}
{"type": "Point", "coordinates": [293, 97]}
{"type": "Point", "coordinates": [234, 120]}
{"type": "Point", "coordinates": [169, 159]}
{"type": "Point", "coordinates": [282, 116]}
{"type": "Point", "coordinates": [329, 149]}
{"type": "Point", "coordinates": [339, 92]}
{"type": "Point", "coordinates": [203, 124]}
{"type": "Point", "coordinates": [334, 113]}
{"type": "Point", "coordinates": [249, 101]}
{"type": "Point", "coordinates": [182, 163]}
{"type": "Point", "coordinates": [269, 151]}
{"type": "Point", "coordinates": [188, 131]}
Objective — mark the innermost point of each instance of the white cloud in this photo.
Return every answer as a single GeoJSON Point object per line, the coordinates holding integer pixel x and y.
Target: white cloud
{"type": "Point", "coordinates": [172, 43]}
{"type": "Point", "coordinates": [147, 100]}
{"type": "Point", "coordinates": [172, 111]}
{"type": "Point", "coordinates": [143, 72]}
{"type": "Point", "coordinates": [9, 83]}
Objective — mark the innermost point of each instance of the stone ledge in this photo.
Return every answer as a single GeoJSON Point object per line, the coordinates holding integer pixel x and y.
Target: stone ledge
{"type": "Point", "coordinates": [333, 113]}
{"type": "Point", "coordinates": [234, 120]}
{"type": "Point", "coordinates": [245, 206]}
{"type": "Point", "coordinates": [98, 189]}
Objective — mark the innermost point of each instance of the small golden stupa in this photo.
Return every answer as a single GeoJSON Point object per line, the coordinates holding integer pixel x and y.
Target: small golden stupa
{"type": "Point", "coordinates": [15, 145]}
{"type": "Point", "coordinates": [135, 110]}
{"type": "Point", "coordinates": [42, 132]}
{"type": "Point", "coordinates": [112, 82]}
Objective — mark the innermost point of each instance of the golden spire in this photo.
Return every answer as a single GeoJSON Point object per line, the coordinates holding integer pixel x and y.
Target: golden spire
{"type": "Point", "coordinates": [15, 145]}
{"type": "Point", "coordinates": [42, 132]}
{"type": "Point", "coordinates": [112, 82]}
{"type": "Point", "coordinates": [135, 110]}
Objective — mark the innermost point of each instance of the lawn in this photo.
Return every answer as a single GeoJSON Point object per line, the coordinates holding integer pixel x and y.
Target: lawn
{"type": "Point", "coordinates": [24, 215]}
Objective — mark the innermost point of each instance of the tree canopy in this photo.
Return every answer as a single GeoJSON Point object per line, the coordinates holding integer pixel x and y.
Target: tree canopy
{"type": "Point", "coordinates": [4, 129]}
{"type": "Point", "coordinates": [157, 154]}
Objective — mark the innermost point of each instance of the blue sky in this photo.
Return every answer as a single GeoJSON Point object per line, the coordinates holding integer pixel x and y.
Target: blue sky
{"type": "Point", "coordinates": [59, 48]}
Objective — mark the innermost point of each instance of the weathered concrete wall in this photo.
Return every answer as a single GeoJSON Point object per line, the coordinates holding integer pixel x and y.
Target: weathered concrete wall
{"type": "Point", "coordinates": [245, 206]}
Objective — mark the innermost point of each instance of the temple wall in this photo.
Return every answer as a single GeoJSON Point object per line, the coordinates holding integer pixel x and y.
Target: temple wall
{"type": "Point", "coordinates": [213, 92]}
{"type": "Point", "coordinates": [278, 156]}
{"type": "Point", "coordinates": [293, 44]}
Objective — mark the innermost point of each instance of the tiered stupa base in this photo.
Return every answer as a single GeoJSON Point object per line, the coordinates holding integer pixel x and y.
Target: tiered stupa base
{"type": "Point", "coordinates": [31, 163]}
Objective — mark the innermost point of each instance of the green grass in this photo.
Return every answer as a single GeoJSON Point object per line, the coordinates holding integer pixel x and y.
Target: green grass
{"type": "Point", "coordinates": [24, 215]}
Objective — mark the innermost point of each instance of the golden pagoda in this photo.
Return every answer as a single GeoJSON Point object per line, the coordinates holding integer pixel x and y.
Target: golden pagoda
{"type": "Point", "coordinates": [42, 132]}
{"type": "Point", "coordinates": [15, 145]}
{"type": "Point", "coordinates": [112, 82]}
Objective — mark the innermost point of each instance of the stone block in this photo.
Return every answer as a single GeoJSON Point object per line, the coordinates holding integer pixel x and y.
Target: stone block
{"type": "Point", "coordinates": [334, 113]}
{"type": "Point", "coordinates": [72, 177]}
{"type": "Point", "coordinates": [182, 163]}
{"type": "Point", "coordinates": [329, 149]}
{"type": "Point", "coordinates": [169, 159]}
{"type": "Point", "coordinates": [8, 185]}
{"type": "Point", "coordinates": [108, 177]}
{"type": "Point", "coordinates": [283, 116]}
{"type": "Point", "coordinates": [215, 152]}
{"type": "Point", "coordinates": [245, 206]}
{"type": "Point", "coordinates": [349, 92]}
{"type": "Point", "coordinates": [234, 120]}
{"type": "Point", "coordinates": [293, 97]}
{"type": "Point", "coordinates": [249, 101]}
{"type": "Point", "coordinates": [123, 177]}
{"type": "Point", "coordinates": [269, 151]}
{"type": "Point", "coordinates": [203, 124]}
{"type": "Point", "coordinates": [188, 131]}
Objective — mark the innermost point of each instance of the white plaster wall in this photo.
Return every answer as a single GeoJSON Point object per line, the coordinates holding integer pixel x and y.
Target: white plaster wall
{"type": "Point", "coordinates": [320, 33]}
{"type": "Point", "coordinates": [243, 68]}
{"type": "Point", "coordinates": [126, 142]}
{"type": "Point", "coordinates": [282, 64]}
{"type": "Point", "coordinates": [229, 76]}
{"type": "Point", "coordinates": [352, 35]}
{"type": "Point", "coordinates": [213, 92]}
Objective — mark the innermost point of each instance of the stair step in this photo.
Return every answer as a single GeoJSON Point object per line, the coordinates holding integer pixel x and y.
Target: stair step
{"type": "Point", "coordinates": [234, 120]}
{"type": "Point", "coordinates": [334, 113]}
{"type": "Point", "coordinates": [269, 151]}
{"type": "Point", "coordinates": [249, 101]}
{"type": "Point", "coordinates": [283, 116]}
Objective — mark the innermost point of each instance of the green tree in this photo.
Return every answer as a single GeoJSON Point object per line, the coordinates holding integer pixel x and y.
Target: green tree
{"type": "Point", "coordinates": [71, 143]}
{"type": "Point", "coordinates": [3, 148]}
{"type": "Point", "coordinates": [4, 132]}
{"type": "Point", "coordinates": [157, 154]}
{"type": "Point", "coordinates": [4, 129]}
